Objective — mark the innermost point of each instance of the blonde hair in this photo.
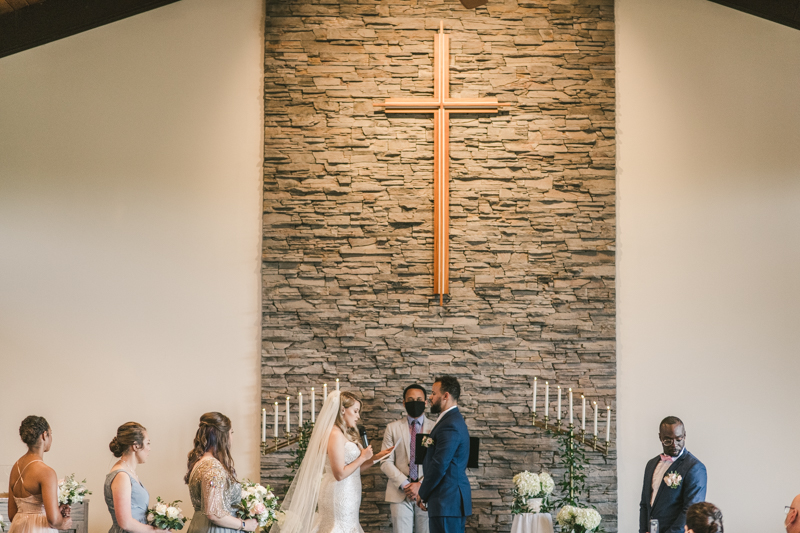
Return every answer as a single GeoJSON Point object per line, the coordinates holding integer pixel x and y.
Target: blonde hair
{"type": "Point", "coordinates": [346, 400]}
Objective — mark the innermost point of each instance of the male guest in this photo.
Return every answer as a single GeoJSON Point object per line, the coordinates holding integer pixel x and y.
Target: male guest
{"type": "Point", "coordinates": [401, 469]}
{"type": "Point", "coordinates": [445, 490]}
{"type": "Point", "coordinates": [792, 521]}
{"type": "Point", "coordinates": [673, 481]}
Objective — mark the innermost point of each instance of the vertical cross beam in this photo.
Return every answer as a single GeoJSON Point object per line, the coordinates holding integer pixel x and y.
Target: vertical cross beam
{"type": "Point", "coordinates": [441, 106]}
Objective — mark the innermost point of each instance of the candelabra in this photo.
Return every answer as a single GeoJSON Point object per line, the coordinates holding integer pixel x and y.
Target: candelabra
{"type": "Point", "coordinates": [289, 438]}
{"type": "Point", "coordinates": [589, 441]}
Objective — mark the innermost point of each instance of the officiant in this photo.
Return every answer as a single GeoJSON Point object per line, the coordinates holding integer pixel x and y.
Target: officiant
{"type": "Point", "coordinates": [404, 474]}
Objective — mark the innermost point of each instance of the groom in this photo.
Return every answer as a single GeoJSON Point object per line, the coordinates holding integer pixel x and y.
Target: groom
{"type": "Point", "coordinates": [445, 488]}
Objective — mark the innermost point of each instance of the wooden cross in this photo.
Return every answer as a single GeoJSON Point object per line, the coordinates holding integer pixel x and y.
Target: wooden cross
{"type": "Point", "coordinates": [441, 105]}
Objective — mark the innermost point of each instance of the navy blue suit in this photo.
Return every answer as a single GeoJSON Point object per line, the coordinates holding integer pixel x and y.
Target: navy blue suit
{"type": "Point", "coordinates": [670, 505]}
{"type": "Point", "coordinates": [445, 487]}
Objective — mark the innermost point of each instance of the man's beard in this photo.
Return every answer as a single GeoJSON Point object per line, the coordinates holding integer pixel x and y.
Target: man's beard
{"type": "Point", "coordinates": [436, 408]}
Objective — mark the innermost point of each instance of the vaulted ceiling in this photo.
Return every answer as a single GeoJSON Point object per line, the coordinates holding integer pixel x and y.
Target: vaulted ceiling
{"type": "Point", "coordinates": [786, 12]}
{"type": "Point", "coordinates": [28, 23]}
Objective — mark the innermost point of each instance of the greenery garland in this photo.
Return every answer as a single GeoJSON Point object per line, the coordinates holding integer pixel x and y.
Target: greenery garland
{"type": "Point", "coordinates": [300, 452]}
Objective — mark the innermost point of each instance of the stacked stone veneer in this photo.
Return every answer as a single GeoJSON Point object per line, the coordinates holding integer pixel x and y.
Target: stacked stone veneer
{"type": "Point", "coordinates": [348, 243]}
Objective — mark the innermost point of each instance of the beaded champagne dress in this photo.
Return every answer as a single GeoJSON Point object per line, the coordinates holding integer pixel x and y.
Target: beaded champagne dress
{"type": "Point", "coordinates": [30, 517]}
{"type": "Point", "coordinates": [339, 501]}
{"type": "Point", "coordinates": [212, 492]}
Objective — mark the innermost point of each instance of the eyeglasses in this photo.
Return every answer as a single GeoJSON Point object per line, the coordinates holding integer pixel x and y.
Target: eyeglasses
{"type": "Point", "coordinates": [787, 509]}
{"type": "Point", "coordinates": [668, 441]}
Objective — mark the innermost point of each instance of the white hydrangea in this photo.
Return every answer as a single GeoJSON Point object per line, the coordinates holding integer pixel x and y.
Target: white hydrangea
{"type": "Point", "coordinates": [547, 483]}
{"type": "Point", "coordinates": [566, 515]}
{"type": "Point", "coordinates": [588, 518]}
{"type": "Point", "coordinates": [528, 484]}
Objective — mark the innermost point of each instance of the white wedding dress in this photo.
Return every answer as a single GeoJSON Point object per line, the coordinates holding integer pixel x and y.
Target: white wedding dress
{"type": "Point", "coordinates": [339, 501]}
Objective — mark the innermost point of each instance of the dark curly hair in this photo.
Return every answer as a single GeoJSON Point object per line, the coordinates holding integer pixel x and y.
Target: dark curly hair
{"type": "Point", "coordinates": [128, 434]}
{"type": "Point", "coordinates": [449, 384]}
{"type": "Point", "coordinates": [704, 517]}
{"type": "Point", "coordinates": [32, 428]}
{"type": "Point", "coordinates": [212, 435]}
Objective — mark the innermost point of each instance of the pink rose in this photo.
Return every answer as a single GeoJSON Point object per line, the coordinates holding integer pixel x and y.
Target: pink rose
{"type": "Point", "coordinates": [259, 509]}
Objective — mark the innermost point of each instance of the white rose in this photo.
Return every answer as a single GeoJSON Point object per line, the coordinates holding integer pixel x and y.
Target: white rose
{"type": "Point", "coordinates": [172, 513]}
{"type": "Point", "coordinates": [161, 508]}
{"type": "Point", "coordinates": [150, 517]}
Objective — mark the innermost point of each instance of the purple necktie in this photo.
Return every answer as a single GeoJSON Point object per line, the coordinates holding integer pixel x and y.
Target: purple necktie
{"type": "Point", "coordinates": [412, 466]}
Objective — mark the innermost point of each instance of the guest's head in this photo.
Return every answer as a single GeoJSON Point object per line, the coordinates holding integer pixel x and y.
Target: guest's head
{"type": "Point", "coordinates": [414, 399]}
{"type": "Point", "coordinates": [792, 521]}
{"type": "Point", "coordinates": [35, 432]}
{"type": "Point", "coordinates": [445, 393]}
{"type": "Point", "coordinates": [704, 517]}
{"type": "Point", "coordinates": [131, 442]}
{"type": "Point", "coordinates": [349, 414]}
{"type": "Point", "coordinates": [672, 435]}
{"type": "Point", "coordinates": [214, 437]}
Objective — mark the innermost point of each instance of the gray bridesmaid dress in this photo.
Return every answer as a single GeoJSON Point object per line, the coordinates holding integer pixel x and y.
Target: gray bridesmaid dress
{"type": "Point", "coordinates": [212, 492]}
{"type": "Point", "coordinates": [140, 498]}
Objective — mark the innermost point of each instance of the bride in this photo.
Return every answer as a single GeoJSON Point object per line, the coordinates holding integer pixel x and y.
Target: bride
{"type": "Point", "coordinates": [325, 495]}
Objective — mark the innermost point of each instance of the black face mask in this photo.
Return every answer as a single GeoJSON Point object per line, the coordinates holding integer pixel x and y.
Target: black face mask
{"type": "Point", "coordinates": [415, 408]}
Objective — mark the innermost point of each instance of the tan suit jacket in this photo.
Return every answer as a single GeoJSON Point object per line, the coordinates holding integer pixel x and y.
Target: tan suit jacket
{"type": "Point", "coordinates": [396, 465]}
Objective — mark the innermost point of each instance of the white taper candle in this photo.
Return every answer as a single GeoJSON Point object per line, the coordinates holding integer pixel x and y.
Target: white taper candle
{"type": "Point", "coordinates": [546, 398]}
{"type": "Point", "coordinates": [300, 410]}
{"type": "Point", "coordinates": [324, 393]}
{"type": "Point", "coordinates": [276, 420]}
{"type": "Point", "coordinates": [313, 406]}
{"type": "Point", "coordinates": [535, 383]}
{"type": "Point", "coordinates": [583, 413]}
{"type": "Point", "coordinates": [570, 406]}
{"type": "Point", "coordinates": [608, 424]}
{"type": "Point", "coordinates": [594, 405]}
{"type": "Point", "coordinates": [264, 424]}
{"type": "Point", "coordinates": [559, 402]}
{"type": "Point", "coordinates": [288, 417]}
{"type": "Point", "coordinates": [337, 384]}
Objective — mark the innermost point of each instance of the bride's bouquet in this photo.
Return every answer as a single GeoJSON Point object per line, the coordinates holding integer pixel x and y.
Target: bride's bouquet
{"type": "Point", "coordinates": [531, 492]}
{"type": "Point", "coordinates": [70, 491]}
{"type": "Point", "coordinates": [166, 515]}
{"type": "Point", "coordinates": [257, 502]}
{"type": "Point", "coordinates": [2, 524]}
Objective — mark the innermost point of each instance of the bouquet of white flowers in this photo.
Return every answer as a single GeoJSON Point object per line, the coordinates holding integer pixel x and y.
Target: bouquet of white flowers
{"type": "Point", "coordinates": [166, 515]}
{"type": "Point", "coordinates": [71, 491]}
{"type": "Point", "coordinates": [2, 524]}
{"type": "Point", "coordinates": [257, 502]}
{"type": "Point", "coordinates": [578, 519]}
{"type": "Point", "coordinates": [531, 492]}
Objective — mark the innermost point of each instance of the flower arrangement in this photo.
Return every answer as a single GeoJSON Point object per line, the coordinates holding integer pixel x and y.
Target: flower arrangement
{"type": "Point", "coordinates": [2, 524]}
{"type": "Point", "coordinates": [578, 519]}
{"type": "Point", "coordinates": [531, 492]}
{"type": "Point", "coordinates": [427, 442]}
{"type": "Point", "coordinates": [673, 480]}
{"type": "Point", "coordinates": [70, 491]}
{"type": "Point", "coordinates": [166, 515]}
{"type": "Point", "coordinates": [257, 502]}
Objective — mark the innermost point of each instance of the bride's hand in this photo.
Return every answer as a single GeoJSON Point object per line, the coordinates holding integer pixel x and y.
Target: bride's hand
{"type": "Point", "coordinates": [366, 453]}
{"type": "Point", "coordinates": [380, 455]}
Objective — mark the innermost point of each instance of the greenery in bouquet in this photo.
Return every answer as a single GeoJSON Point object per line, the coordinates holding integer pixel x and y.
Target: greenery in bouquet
{"type": "Point", "coordinates": [528, 486]}
{"type": "Point", "coordinates": [578, 519]}
{"type": "Point", "coordinates": [166, 515]}
{"type": "Point", "coordinates": [257, 502]}
{"type": "Point", "coordinates": [2, 524]}
{"type": "Point", "coordinates": [70, 491]}
{"type": "Point", "coordinates": [300, 452]}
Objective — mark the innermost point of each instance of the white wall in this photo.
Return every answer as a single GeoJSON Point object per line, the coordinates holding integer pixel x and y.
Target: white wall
{"type": "Point", "coordinates": [130, 238]}
{"type": "Point", "coordinates": [709, 247]}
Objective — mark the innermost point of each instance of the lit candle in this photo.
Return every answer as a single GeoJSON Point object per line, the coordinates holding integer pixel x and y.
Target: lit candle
{"type": "Point", "coordinates": [608, 424]}
{"type": "Point", "coordinates": [337, 384]}
{"type": "Point", "coordinates": [570, 406]}
{"type": "Point", "coordinates": [583, 413]}
{"type": "Point", "coordinates": [535, 383]}
{"type": "Point", "coordinates": [559, 402]}
{"type": "Point", "coordinates": [288, 418]}
{"type": "Point", "coordinates": [324, 392]}
{"type": "Point", "coordinates": [594, 405]}
{"type": "Point", "coordinates": [264, 424]}
{"type": "Point", "coordinates": [546, 398]}
{"type": "Point", "coordinates": [300, 409]}
{"type": "Point", "coordinates": [313, 407]}
{"type": "Point", "coordinates": [276, 420]}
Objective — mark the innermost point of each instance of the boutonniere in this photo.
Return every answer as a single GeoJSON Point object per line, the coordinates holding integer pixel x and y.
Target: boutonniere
{"type": "Point", "coordinates": [673, 480]}
{"type": "Point", "coordinates": [427, 442]}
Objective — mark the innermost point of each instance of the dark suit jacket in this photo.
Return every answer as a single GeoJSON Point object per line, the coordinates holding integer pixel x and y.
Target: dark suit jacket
{"type": "Point", "coordinates": [670, 505]}
{"type": "Point", "coordinates": [445, 487]}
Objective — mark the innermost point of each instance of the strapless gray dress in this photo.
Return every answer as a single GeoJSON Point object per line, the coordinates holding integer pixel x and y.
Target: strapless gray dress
{"type": "Point", "coordinates": [140, 499]}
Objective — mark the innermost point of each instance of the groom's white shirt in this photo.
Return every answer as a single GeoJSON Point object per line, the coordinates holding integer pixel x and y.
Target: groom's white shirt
{"type": "Point", "coordinates": [396, 465]}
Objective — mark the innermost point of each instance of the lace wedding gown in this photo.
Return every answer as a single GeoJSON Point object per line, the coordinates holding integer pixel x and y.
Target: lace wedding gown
{"type": "Point", "coordinates": [339, 501]}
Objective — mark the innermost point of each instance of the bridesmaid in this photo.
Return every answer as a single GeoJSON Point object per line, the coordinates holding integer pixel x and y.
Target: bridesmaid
{"type": "Point", "coordinates": [33, 505]}
{"type": "Point", "coordinates": [126, 497]}
{"type": "Point", "coordinates": [212, 482]}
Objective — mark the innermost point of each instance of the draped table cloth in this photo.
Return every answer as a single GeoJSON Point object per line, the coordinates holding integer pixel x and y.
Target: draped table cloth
{"type": "Point", "coordinates": [532, 523]}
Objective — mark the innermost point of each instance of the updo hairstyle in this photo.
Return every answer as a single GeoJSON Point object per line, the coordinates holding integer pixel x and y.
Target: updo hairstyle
{"type": "Point", "coordinates": [128, 434]}
{"type": "Point", "coordinates": [212, 436]}
{"type": "Point", "coordinates": [346, 400]}
{"type": "Point", "coordinates": [32, 428]}
{"type": "Point", "coordinates": [704, 517]}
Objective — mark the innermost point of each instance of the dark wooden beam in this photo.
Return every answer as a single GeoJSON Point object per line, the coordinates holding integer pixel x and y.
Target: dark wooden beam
{"type": "Point", "coordinates": [49, 20]}
{"type": "Point", "coordinates": [786, 12]}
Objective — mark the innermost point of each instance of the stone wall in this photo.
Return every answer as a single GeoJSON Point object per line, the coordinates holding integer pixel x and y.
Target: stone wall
{"type": "Point", "coordinates": [348, 243]}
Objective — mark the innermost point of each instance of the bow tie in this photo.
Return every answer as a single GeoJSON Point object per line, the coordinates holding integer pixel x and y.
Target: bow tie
{"type": "Point", "coordinates": [667, 458]}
